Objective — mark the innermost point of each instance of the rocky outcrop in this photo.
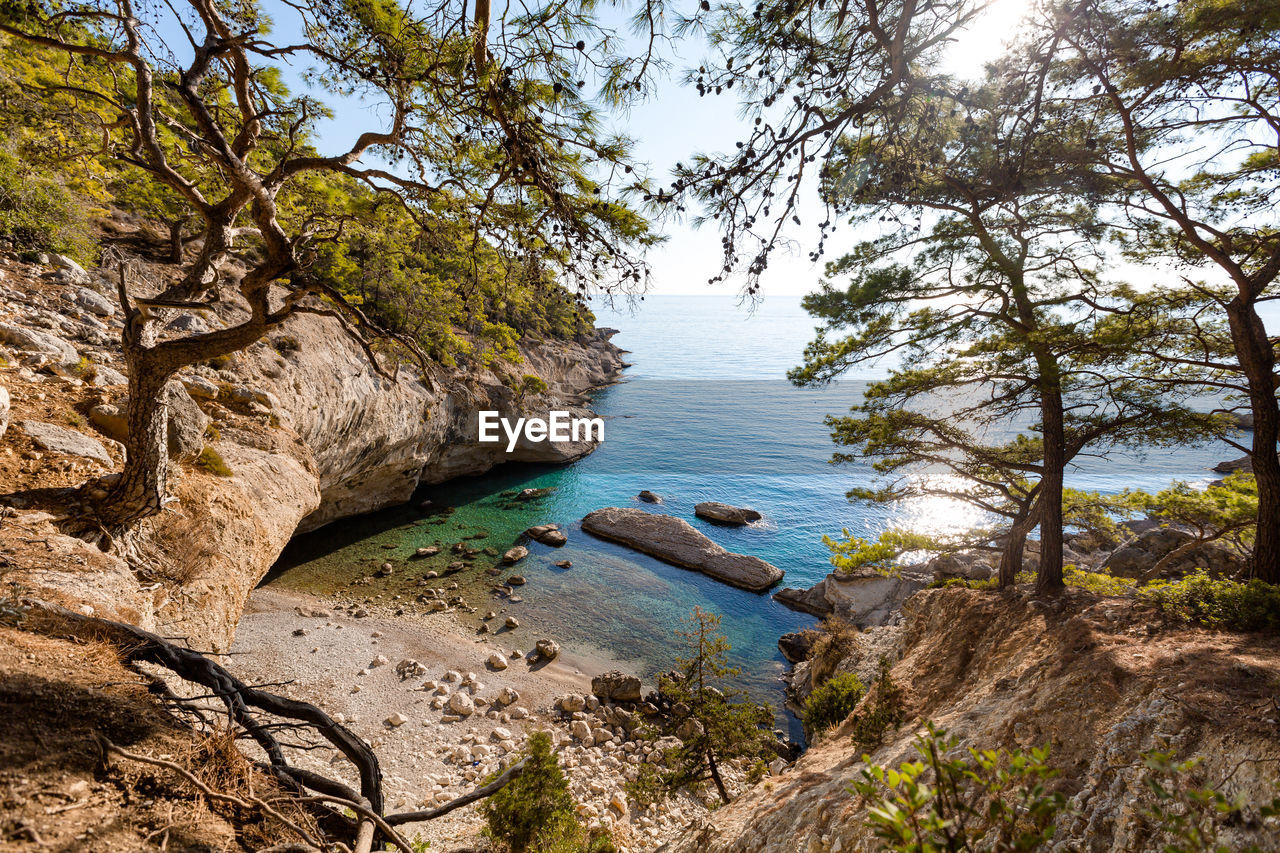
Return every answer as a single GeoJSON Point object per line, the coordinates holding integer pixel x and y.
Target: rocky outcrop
{"type": "Point", "coordinates": [308, 430]}
{"type": "Point", "coordinates": [675, 541]}
{"type": "Point", "coordinates": [1086, 675]}
{"type": "Point", "coordinates": [726, 514]}
{"type": "Point", "coordinates": [864, 598]}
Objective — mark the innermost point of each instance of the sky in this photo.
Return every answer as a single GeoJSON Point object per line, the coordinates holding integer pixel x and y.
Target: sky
{"type": "Point", "coordinates": [674, 123]}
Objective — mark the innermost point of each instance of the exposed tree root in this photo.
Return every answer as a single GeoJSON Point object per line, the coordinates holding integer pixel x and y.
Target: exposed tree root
{"type": "Point", "coordinates": [249, 709]}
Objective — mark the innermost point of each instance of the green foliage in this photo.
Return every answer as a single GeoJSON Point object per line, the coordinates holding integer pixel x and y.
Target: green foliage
{"type": "Point", "coordinates": [953, 800]}
{"type": "Point", "coordinates": [853, 552]}
{"type": "Point", "coordinates": [535, 811]}
{"type": "Point", "coordinates": [882, 712]}
{"type": "Point", "coordinates": [38, 213]}
{"type": "Point", "coordinates": [211, 461]}
{"type": "Point", "coordinates": [1187, 818]}
{"type": "Point", "coordinates": [831, 703]}
{"type": "Point", "coordinates": [1201, 599]}
{"type": "Point", "coordinates": [1101, 583]}
{"type": "Point", "coordinates": [716, 724]}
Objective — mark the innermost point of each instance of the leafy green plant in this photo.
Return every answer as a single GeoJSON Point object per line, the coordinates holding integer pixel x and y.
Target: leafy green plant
{"type": "Point", "coordinates": [831, 703]}
{"type": "Point", "coordinates": [38, 213]}
{"type": "Point", "coordinates": [716, 724]}
{"type": "Point", "coordinates": [535, 811]}
{"type": "Point", "coordinates": [962, 800]}
{"type": "Point", "coordinates": [1188, 818]}
{"type": "Point", "coordinates": [211, 461]}
{"type": "Point", "coordinates": [883, 711]}
{"type": "Point", "coordinates": [1201, 599]}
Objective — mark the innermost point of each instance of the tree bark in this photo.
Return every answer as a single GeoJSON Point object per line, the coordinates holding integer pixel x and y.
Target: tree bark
{"type": "Point", "coordinates": [1257, 361]}
{"type": "Point", "coordinates": [140, 492]}
{"type": "Point", "coordinates": [715, 777]}
{"type": "Point", "coordinates": [176, 241]}
{"type": "Point", "coordinates": [204, 272]}
{"type": "Point", "coordinates": [1015, 544]}
{"type": "Point", "coordinates": [1049, 575]}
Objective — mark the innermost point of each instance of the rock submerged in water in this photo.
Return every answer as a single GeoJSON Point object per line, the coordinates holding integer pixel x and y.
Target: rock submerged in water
{"type": "Point", "coordinates": [675, 541]}
{"type": "Point", "coordinates": [547, 534]}
{"type": "Point", "coordinates": [515, 555]}
{"type": "Point", "coordinates": [649, 497]}
{"type": "Point", "coordinates": [725, 514]}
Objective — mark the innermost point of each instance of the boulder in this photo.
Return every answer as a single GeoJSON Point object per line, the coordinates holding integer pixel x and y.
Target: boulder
{"type": "Point", "coordinates": [864, 598]}
{"type": "Point", "coordinates": [726, 514]}
{"type": "Point", "coordinates": [1244, 463]}
{"type": "Point", "coordinates": [573, 702]}
{"type": "Point", "coordinates": [796, 646]}
{"type": "Point", "coordinates": [429, 551]}
{"type": "Point", "coordinates": [616, 686]}
{"type": "Point", "coordinates": [187, 424]}
{"type": "Point", "coordinates": [515, 555]}
{"type": "Point", "coordinates": [92, 301]}
{"type": "Point", "coordinates": [410, 668]}
{"type": "Point", "coordinates": [200, 388]}
{"type": "Point", "coordinates": [111, 420]}
{"type": "Point", "coordinates": [547, 649]}
{"type": "Point", "coordinates": [461, 704]}
{"type": "Point", "coordinates": [104, 376]}
{"type": "Point", "coordinates": [34, 340]}
{"type": "Point", "coordinates": [61, 440]}
{"type": "Point", "coordinates": [547, 534]}
{"type": "Point", "coordinates": [187, 324]}
{"type": "Point", "coordinates": [396, 720]}
{"type": "Point", "coordinates": [969, 565]}
{"type": "Point", "coordinates": [1139, 555]}
{"type": "Point", "coordinates": [564, 564]}
{"type": "Point", "coordinates": [498, 661]}
{"type": "Point", "coordinates": [649, 497]}
{"type": "Point", "coordinates": [675, 541]}
{"type": "Point", "coordinates": [689, 729]}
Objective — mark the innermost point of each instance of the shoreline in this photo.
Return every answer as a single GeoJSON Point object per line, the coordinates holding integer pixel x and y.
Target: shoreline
{"type": "Point", "coordinates": [311, 649]}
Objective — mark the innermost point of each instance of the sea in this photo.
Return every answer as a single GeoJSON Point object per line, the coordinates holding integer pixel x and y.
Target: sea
{"type": "Point", "coordinates": [704, 413]}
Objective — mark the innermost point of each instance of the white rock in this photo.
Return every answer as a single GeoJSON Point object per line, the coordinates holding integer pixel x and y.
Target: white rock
{"type": "Point", "coordinates": [498, 661]}
{"type": "Point", "coordinates": [396, 720]}
{"type": "Point", "coordinates": [461, 704]}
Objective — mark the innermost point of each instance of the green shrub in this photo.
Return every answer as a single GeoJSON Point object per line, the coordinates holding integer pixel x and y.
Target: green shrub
{"type": "Point", "coordinates": [535, 812]}
{"type": "Point", "coordinates": [1212, 602]}
{"type": "Point", "coordinates": [39, 214]}
{"type": "Point", "coordinates": [830, 703]}
{"type": "Point", "coordinates": [989, 800]}
{"type": "Point", "coordinates": [211, 460]}
{"type": "Point", "coordinates": [1186, 818]}
{"type": "Point", "coordinates": [882, 712]}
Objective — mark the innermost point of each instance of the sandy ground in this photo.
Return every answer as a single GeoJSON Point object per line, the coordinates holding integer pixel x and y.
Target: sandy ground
{"type": "Point", "coordinates": [329, 664]}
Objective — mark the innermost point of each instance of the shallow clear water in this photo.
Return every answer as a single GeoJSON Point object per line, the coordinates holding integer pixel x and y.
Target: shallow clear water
{"type": "Point", "coordinates": [705, 414]}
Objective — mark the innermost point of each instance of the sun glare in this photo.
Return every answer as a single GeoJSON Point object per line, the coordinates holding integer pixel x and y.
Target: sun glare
{"type": "Point", "coordinates": [983, 42]}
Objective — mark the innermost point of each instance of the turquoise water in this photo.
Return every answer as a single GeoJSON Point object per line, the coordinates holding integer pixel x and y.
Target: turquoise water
{"type": "Point", "coordinates": [705, 414]}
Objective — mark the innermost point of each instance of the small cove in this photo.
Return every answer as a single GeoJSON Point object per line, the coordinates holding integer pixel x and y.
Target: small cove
{"type": "Point", "coordinates": [704, 414]}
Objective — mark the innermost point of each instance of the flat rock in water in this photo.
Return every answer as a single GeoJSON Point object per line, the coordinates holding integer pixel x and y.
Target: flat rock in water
{"type": "Point", "coordinates": [675, 541]}
{"type": "Point", "coordinates": [68, 441]}
{"type": "Point", "coordinates": [725, 514]}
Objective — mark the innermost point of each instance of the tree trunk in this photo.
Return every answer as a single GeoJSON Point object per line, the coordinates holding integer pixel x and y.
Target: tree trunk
{"type": "Point", "coordinates": [715, 777]}
{"type": "Point", "coordinates": [1257, 361]}
{"type": "Point", "coordinates": [176, 241]}
{"type": "Point", "coordinates": [204, 272]}
{"type": "Point", "coordinates": [141, 490]}
{"type": "Point", "coordinates": [1049, 576]}
{"type": "Point", "coordinates": [1016, 542]}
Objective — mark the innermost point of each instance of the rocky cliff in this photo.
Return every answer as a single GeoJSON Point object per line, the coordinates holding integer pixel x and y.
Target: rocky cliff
{"type": "Point", "coordinates": [1097, 678]}
{"type": "Point", "coordinates": [308, 430]}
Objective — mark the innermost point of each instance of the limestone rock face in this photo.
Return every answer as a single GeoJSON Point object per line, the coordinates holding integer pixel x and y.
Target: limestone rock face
{"type": "Point", "coordinates": [375, 438]}
{"type": "Point", "coordinates": [675, 541]}
{"type": "Point", "coordinates": [4, 410]}
{"type": "Point", "coordinates": [726, 514]}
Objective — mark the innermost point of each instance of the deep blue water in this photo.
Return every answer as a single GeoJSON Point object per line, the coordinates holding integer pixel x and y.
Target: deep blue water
{"type": "Point", "coordinates": [705, 414]}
